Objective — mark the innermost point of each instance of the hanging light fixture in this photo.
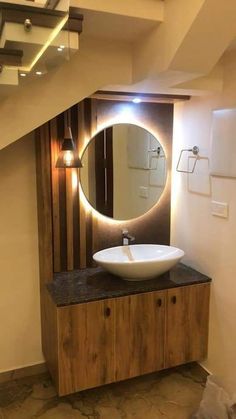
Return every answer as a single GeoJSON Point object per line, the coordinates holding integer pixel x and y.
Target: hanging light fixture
{"type": "Point", "coordinates": [68, 156]}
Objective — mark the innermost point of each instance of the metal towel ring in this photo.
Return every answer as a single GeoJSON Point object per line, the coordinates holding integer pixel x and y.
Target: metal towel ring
{"type": "Point", "coordinates": [195, 151]}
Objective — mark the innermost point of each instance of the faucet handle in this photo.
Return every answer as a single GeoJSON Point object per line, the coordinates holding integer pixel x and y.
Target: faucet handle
{"type": "Point", "coordinates": [125, 232]}
{"type": "Point", "coordinates": [131, 239]}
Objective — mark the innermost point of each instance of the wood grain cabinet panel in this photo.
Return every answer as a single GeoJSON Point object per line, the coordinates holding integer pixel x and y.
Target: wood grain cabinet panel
{"type": "Point", "coordinates": [139, 334]}
{"type": "Point", "coordinates": [86, 345]}
{"type": "Point", "coordinates": [115, 339]}
{"type": "Point", "coordinates": [186, 324]}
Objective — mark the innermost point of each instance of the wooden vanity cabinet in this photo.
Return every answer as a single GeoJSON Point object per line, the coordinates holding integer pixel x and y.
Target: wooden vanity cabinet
{"type": "Point", "coordinates": [139, 334]}
{"type": "Point", "coordinates": [115, 339]}
{"type": "Point", "coordinates": [85, 345]}
{"type": "Point", "coordinates": [187, 317]}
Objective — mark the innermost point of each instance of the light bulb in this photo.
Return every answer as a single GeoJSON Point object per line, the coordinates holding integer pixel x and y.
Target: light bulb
{"type": "Point", "coordinates": [68, 157]}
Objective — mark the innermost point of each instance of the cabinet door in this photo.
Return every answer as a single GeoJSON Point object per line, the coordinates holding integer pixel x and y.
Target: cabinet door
{"type": "Point", "coordinates": [187, 324]}
{"type": "Point", "coordinates": [86, 345]}
{"type": "Point", "coordinates": [139, 334]}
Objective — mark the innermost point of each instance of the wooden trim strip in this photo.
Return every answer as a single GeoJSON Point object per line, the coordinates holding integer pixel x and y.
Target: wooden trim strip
{"type": "Point", "coordinates": [11, 56]}
{"type": "Point", "coordinates": [23, 372]}
{"type": "Point", "coordinates": [145, 97]}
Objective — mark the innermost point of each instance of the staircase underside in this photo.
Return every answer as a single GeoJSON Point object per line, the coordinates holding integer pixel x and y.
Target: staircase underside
{"type": "Point", "coordinates": [173, 47]}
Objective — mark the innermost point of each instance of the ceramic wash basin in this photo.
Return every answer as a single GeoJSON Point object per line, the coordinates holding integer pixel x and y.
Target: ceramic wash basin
{"type": "Point", "coordinates": [139, 261]}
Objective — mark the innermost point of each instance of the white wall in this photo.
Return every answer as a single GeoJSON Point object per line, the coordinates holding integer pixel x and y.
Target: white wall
{"type": "Point", "coordinates": [20, 342]}
{"type": "Point", "coordinates": [209, 241]}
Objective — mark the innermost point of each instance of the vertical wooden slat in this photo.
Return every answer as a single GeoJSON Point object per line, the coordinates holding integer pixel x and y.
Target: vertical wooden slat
{"type": "Point", "coordinates": [43, 171]}
{"type": "Point", "coordinates": [55, 147]}
{"type": "Point", "coordinates": [76, 220]}
{"type": "Point", "coordinates": [89, 224]}
{"type": "Point", "coordinates": [89, 239]}
{"type": "Point", "coordinates": [109, 171]}
{"type": "Point", "coordinates": [75, 191]}
{"type": "Point", "coordinates": [62, 199]}
{"type": "Point", "coordinates": [100, 175]}
{"type": "Point", "coordinates": [45, 238]}
{"type": "Point", "coordinates": [82, 210]}
{"type": "Point", "coordinates": [69, 220]}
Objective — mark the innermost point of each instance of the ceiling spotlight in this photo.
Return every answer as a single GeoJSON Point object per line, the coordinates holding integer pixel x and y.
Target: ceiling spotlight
{"type": "Point", "coordinates": [23, 74]}
{"type": "Point", "coordinates": [39, 73]}
{"type": "Point", "coordinates": [136, 100]}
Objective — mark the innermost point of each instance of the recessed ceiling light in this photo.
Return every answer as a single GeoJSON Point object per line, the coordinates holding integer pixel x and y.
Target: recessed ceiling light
{"type": "Point", "coordinates": [39, 73]}
{"type": "Point", "coordinates": [59, 49]}
{"type": "Point", "coordinates": [22, 74]}
{"type": "Point", "coordinates": [62, 46]}
{"type": "Point", "coordinates": [136, 100]}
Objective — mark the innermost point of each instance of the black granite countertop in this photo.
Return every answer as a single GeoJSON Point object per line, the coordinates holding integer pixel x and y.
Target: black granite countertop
{"type": "Point", "coordinates": [93, 284]}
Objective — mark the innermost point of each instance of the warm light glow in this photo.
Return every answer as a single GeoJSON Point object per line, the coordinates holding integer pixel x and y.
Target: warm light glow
{"type": "Point", "coordinates": [51, 38]}
{"type": "Point", "coordinates": [74, 179]}
{"type": "Point", "coordinates": [68, 157]}
{"type": "Point", "coordinates": [136, 100]}
{"type": "Point", "coordinates": [126, 114]}
{"type": "Point", "coordinates": [95, 214]}
{"type": "Point", "coordinates": [177, 144]}
{"type": "Point", "coordinates": [59, 49]}
{"type": "Point", "coordinates": [22, 74]}
{"type": "Point", "coordinates": [39, 73]}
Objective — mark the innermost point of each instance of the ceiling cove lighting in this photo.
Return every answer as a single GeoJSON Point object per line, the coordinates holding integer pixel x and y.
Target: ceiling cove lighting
{"type": "Point", "coordinates": [136, 100]}
{"type": "Point", "coordinates": [68, 156]}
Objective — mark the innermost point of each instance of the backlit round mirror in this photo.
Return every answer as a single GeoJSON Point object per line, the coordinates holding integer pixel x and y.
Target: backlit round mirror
{"type": "Point", "coordinates": [124, 171]}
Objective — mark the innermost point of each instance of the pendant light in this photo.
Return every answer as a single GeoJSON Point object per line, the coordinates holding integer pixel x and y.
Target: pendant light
{"type": "Point", "coordinates": [68, 156]}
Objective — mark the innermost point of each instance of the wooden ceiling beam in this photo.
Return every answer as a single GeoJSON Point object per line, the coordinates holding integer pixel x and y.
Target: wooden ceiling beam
{"type": "Point", "coordinates": [42, 17]}
{"type": "Point", "coordinates": [144, 97]}
{"type": "Point", "coordinates": [11, 57]}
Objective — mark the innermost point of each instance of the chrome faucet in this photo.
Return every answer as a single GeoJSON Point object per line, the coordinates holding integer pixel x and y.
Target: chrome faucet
{"type": "Point", "coordinates": [127, 238]}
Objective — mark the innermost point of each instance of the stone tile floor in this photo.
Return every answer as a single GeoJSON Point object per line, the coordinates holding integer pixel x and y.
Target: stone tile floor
{"type": "Point", "coordinates": [171, 394]}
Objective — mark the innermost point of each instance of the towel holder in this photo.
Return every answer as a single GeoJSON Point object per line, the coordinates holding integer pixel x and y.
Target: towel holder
{"type": "Point", "coordinates": [195, 152]}
{"type": "Point", "coordinates": [157, 156]}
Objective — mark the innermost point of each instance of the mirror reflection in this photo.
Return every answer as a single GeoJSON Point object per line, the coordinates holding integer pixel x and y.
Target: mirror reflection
{"type": "Point", "coordinates": [124, 171]}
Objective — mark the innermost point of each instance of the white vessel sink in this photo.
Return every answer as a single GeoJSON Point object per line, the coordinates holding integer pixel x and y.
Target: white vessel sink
{"type": "Point", "coordinates": [139, 261]}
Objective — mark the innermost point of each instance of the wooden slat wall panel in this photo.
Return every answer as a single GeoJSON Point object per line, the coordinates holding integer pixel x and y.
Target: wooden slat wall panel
{"type": "Point", "coordinates": [69, 221]}
{"type": "Point", "coordinates": [62, 200]}
{"type": "Point", "coordinates": [77, 231]}
{"type": "Point", "coordinates": [43, 176]}
{"type": "Point", "coordinates": [45, 234]}
{"type": "Point", "coordinates": [75, 221]}
{"type": "Point", "coordinates": [55, 196]}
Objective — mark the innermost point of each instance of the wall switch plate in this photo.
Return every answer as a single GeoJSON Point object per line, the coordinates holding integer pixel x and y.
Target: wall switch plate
{"type": "Point", "coordinates": [219, 209]}
{"type": "Point", "coordinates": [143, 192]}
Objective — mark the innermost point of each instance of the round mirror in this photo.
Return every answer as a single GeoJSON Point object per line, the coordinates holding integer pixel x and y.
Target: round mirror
{"type": "Point", "coordinates": [124, 171]}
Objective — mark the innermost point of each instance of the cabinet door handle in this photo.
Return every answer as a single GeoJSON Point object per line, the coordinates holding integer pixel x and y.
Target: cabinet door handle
{"type": "Point", "coordinates": [173, 299]}
{"type": "Point", "coordinates": [107, 312]}
{"type": "Point", "coordinates": [159, 302]}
